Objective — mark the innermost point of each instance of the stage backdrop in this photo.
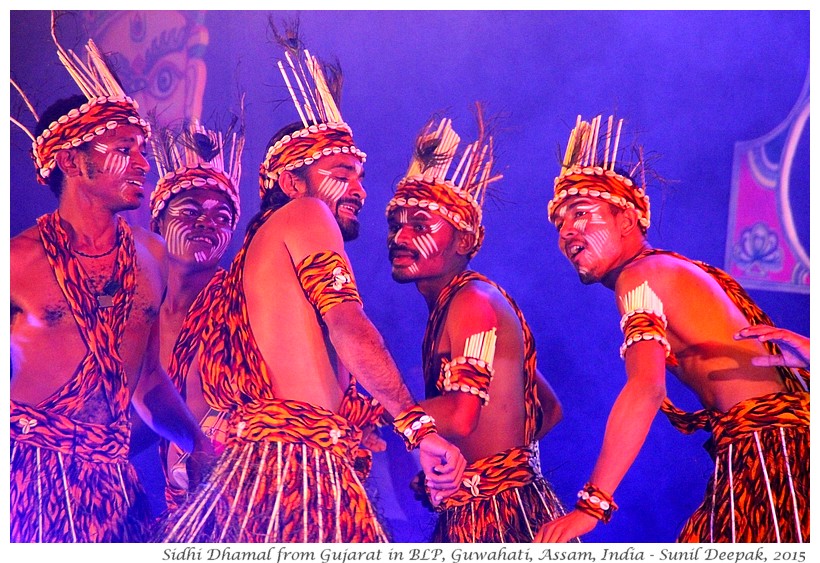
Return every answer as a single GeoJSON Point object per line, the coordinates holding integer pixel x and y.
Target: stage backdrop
{"type": "Point", "coordinates": [690, 85]}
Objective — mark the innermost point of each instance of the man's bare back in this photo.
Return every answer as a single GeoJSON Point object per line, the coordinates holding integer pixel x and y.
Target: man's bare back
{"type": "Point", "coordinates": [701, 323]}
{"type": "Point", "coordinates": [501, 424]}
{"type": "Point", "coordinates": [285, 325]}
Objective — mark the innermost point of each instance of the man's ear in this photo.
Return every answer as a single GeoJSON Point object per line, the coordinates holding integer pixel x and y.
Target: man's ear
{"type": "Point", "coordinates": [628, 221]}
{"type": "Point", "coordinates": [466, 242]}
{"type": "Point", "coordinates": [69, 162]}
{"type": "Point", "coordinates": [292, 185]}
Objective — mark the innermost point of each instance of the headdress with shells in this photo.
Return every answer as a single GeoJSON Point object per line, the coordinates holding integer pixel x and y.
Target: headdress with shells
{"type": "Point", "coordinates": [196, 157]}
{"type": "Point", "coordinates": [324, 131]}
{"type": "Point", "coordinates": [107, 108]}
{"type": "Point", "coordinates": [588, 169]}
{"type": "Point", "coordinates": [457, 195]}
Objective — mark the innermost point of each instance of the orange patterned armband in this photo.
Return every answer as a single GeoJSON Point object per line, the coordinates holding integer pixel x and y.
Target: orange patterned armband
{"type": "Point", "coordinates": [327, 281]}
{"type": "Point", "coordinates": [643, 325]}
{"type": "Point", "coordinates": [469, 375]}
{"type": "Point", "coordinates": [595, 502]}
{"type": "Point", "coordinates": [413, 425]}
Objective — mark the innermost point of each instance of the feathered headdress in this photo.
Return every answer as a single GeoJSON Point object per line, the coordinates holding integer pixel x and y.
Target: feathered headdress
{"type": "Point", "coordinates": [315, 95]}
{"type": "Point", "coordinates": [588, 169]}
{"type": "Point", "coordinates": [108, 107]}
{"type": "Point", "coordinates": [196, 157]}
{"type": "Point", "coordinates": [457, 195]}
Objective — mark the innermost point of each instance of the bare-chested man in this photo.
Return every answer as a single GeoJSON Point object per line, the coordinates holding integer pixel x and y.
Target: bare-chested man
{"type": "Point", "coordinates": [85, 293]}
{"type": "Point", "coordinates": [481, 380]}
{"type": "Point", "coordinates": [293, 328]}
{"type": "Point", "coordinates": [195, 208]}
{"type": "Point", "coordinates": [682, 315]}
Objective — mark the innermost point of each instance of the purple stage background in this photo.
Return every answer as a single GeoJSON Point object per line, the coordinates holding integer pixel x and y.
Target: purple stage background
{"type": "Point", "coordinates": [689, 85]}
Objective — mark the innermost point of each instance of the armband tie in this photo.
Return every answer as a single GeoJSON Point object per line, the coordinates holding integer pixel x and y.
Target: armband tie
{"type": "Point", "coordinates": [327, 280]}
{"type": "Point", "coordinates": [413, 425]}
{"type": "Point", "coordinates": [595, 502]}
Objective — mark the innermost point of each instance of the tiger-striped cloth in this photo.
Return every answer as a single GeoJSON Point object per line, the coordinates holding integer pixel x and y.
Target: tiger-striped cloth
{"type": "Point", "coordinates": [759, 490]}
{"type": "Point", "coordinates": [363, 411]}
{"type": "Point", "coordinates": [70, 479]}
{"type": "Point", "coordinates": [286, 475]}
{"type": "Point", "coordinates": [432, 368]}
{"type": "Point", "coordinates": [503, 498]}
{"type": "Point", "coordinates": [189, 342]}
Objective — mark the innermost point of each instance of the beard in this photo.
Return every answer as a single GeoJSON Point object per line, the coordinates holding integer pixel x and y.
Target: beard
{"type": "Point", "coordinates": [349, 228]}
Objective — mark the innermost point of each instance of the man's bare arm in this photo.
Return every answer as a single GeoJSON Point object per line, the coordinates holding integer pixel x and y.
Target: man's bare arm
{"type": "Point", "coordinates": [363, 352]}
{"type": "Point", "coordinates": [626, 430]}
{"type": "Point", "coordinates": [456, 413]}
{"type": "Point", "coordinates": [551, 410]}
{"type": "Point", "coordinates": [161, 407]}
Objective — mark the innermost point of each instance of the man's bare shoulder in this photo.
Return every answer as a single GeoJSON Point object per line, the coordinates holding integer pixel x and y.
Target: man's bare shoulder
{"type": "Point", "coordinates": [307, 210]}
{"type": "Point", "coordinates": [478, 300]}
{"type": "Point", "coordinates": [26, 248]}
{"type": "Point", "coordinates": [658, 270]}
{"type": "Point", "coordinates": [151, 241]}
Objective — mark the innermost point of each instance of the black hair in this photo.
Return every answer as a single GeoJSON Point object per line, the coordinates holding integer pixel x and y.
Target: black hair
{"type": "Point", "coordinates": [274, 197]}
{"type": "Point", "coordinates": [53, 113]}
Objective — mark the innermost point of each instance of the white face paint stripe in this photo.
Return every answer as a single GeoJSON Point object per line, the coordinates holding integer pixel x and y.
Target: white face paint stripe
{"type": "Point", "coordinates": [436, 227]}
{"type": "Point", "coordinates": [332, 188]}
{"type": "Point", "coordinates": [223, 238]}
{"type": "Point", "coordinates": [101, 147]}
{"type": "Point", "coordinates": [115, 163]}
{"type": "Point", "coordinates": [175, 238]}
{"type": "Point", "coordinates": [425, 244]}
{"type": "Point", "coordinates": [597, 241]}
{"type": "Point", "coordinates": [581, 224]}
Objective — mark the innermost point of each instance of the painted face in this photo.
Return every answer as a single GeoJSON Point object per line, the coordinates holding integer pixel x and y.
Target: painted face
{"type": "Point", "coordinates": [337, 180]}
{"type": "Point", "coordinates": [197, 226]}
{"type": "Point", "coordinates": [588, 236]}
{"type": "Point", "coordinates": [115, 167]}
{"type": "Point", "coordinates": [420, 243]}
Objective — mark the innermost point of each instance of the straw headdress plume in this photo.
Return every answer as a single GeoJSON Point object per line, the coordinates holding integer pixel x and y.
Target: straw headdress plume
{"type": "Point", "coordinates": [315, 95]}
{"type": "Point", "coordinates": [196, 157]}
{"type": "Point", "coordinates": [588, 169]}
{"type": "Point", "coordinates": [108, 107]}
{"type": "Point", "coordinates": [454, 192]}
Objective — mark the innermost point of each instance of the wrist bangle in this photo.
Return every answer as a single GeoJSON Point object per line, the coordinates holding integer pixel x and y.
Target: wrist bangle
{"type": "Point", "coordinates": [595, 502]}
{"type": "Point", "coordinates": [413, 425]}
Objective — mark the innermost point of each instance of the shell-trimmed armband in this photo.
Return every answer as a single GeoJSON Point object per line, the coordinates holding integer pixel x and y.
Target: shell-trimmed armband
{"type": "Point", "coordinates": [468, 375]}
{"type": "Point", "coordinates": [327, 280]}
{"type": "Point", "coordinates": [643, 318]}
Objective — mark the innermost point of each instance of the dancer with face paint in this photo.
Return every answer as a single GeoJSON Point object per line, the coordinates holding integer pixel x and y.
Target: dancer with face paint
{"type": "Point", "coordinates": [195, 208]}
{"type": "Point", "coordinates": [682, 315]}
{"type": "Point", "coordinates": [85, 293]}
{"type": "Point", "coordinates": [481, 379]}
{"type": "Point", "coordinates": [292, 331]}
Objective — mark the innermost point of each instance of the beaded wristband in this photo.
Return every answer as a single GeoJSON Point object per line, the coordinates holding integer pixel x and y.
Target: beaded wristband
{"type": "Point", "coordinates": [413, 425]}
{"type": "Point", "coordinates": [595, 502]}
